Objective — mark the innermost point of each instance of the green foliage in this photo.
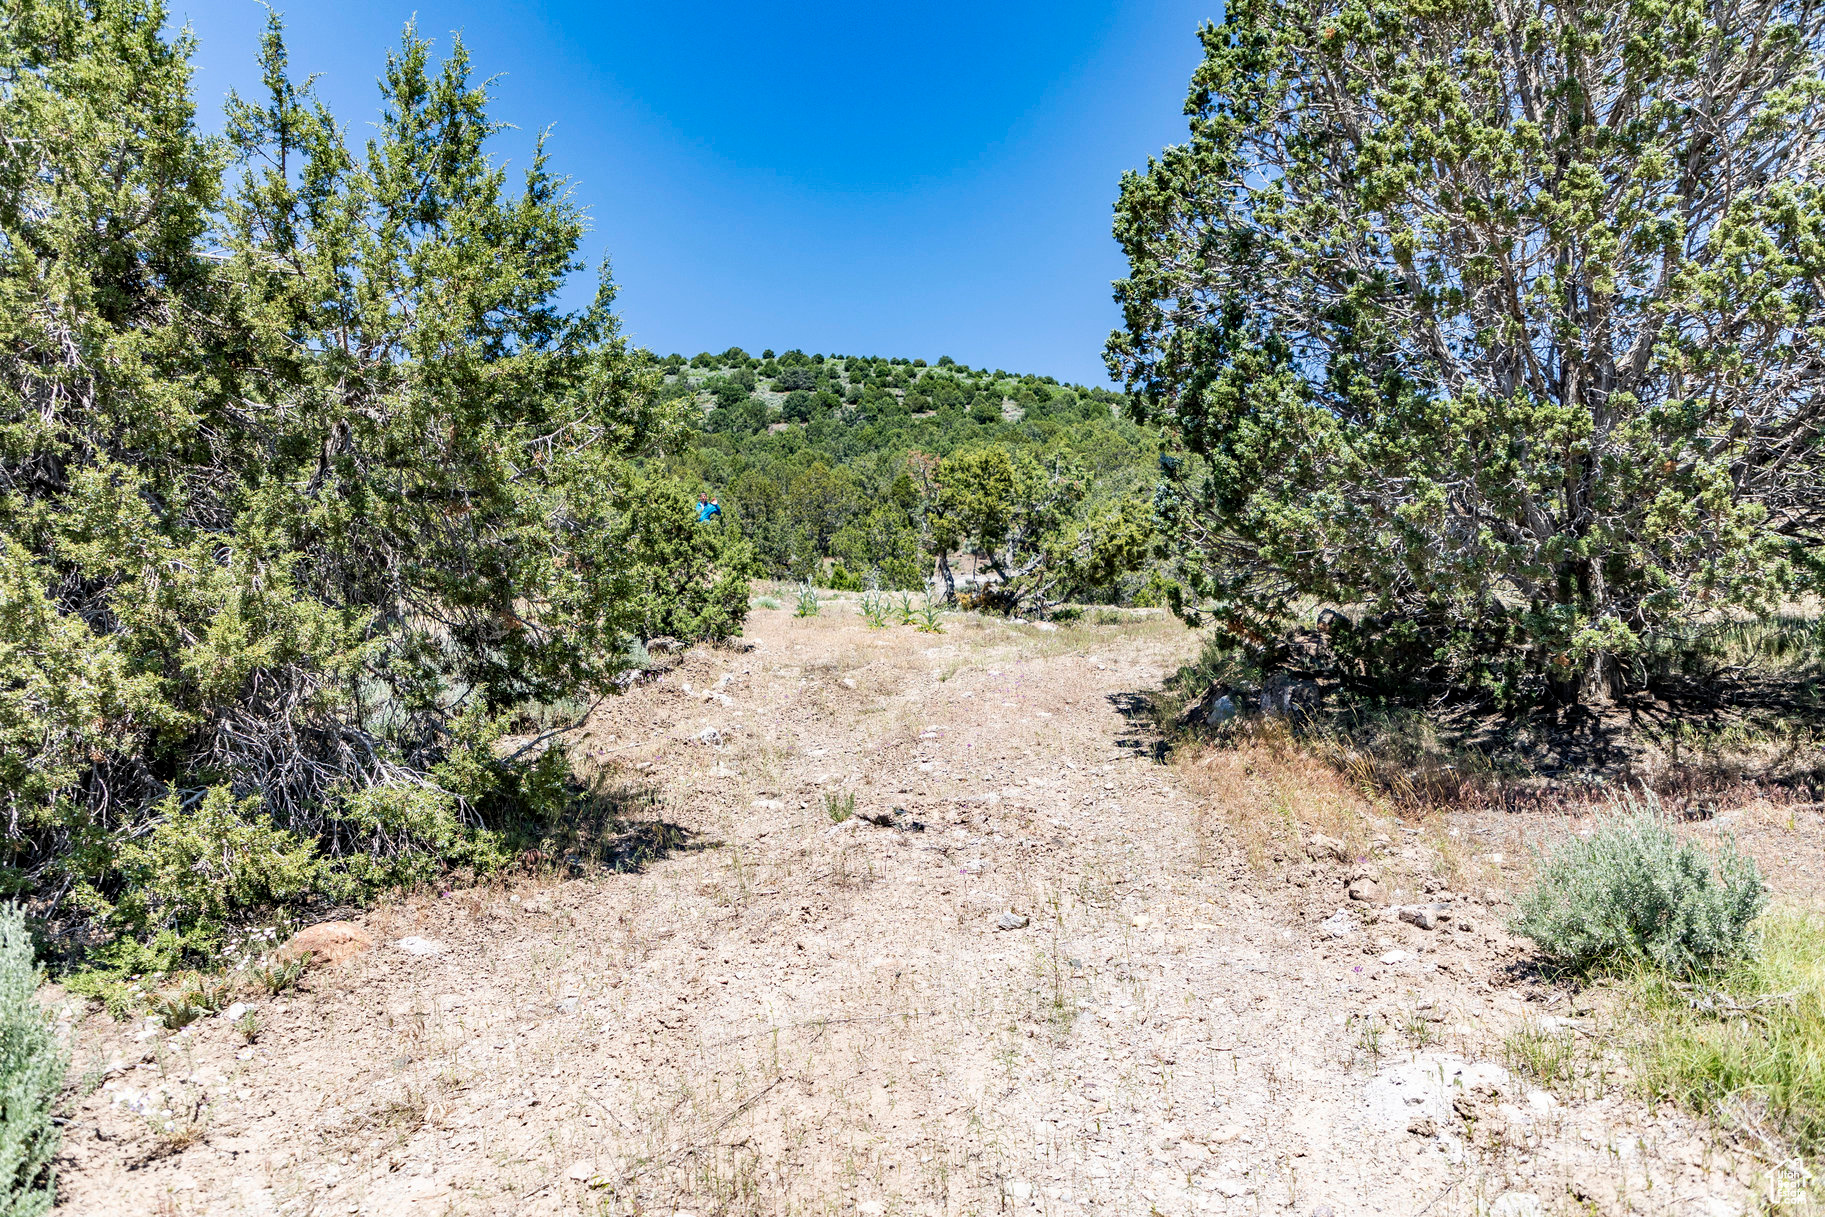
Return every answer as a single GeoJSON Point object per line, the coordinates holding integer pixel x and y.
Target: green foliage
{"type": "Point", "coordinates": [875, 608]}
{"type": "Point", "coordinates": [1632, 895]}
{"type": "Point", "coordinates": [806, 597]}
{"type": "Point", "coordinates": [308, 482]}
{"type": "Point", "coordinates": [1750, 1044]}
{"type": "Point", "coordinates": [1048, 530]}
{"type": "Point", "coordinates": [929, 619]}
{"type": "Point", "coordinates": [839, 807]}
{"type": "Point", "coordinates": [32, 1064]}
{"type": "Point", "coordinates": [208, 864]}
{"type": "Point", "coordinates": [1459, 314]}
{"type": "Point", "coordinates": [278, 975]}
{"type": "Point", "coordinates": [684, 579]}
{"type": "Point", "coordinates": [857, 484]}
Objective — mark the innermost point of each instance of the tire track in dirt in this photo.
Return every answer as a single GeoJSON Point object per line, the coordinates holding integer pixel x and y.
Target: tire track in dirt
{"type": "Point", "coordinates": [785, 1014]}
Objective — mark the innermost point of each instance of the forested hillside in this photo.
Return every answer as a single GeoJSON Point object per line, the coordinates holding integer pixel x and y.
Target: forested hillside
{"type": "Point", "coordinates": [866, 471]}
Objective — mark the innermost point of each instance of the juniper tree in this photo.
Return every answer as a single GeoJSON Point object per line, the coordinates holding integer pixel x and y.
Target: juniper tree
{"type": "Point", "coordinates": [1502, 319]}
{"type": "Point", "coordinates": [302, 489]}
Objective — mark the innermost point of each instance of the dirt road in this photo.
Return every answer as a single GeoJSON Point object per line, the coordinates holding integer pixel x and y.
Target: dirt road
{"type": "Point", "coordinates": [781, 1013]}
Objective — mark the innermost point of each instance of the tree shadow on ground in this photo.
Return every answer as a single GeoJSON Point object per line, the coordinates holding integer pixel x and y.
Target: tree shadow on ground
{"type": "Point", "coordinates": [607, 827]}
{"type": "Point", "coordinates": [1142, 732]}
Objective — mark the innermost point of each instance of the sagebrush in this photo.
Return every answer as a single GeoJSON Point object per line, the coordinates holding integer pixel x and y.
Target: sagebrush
{"type": "Point", "coordinates": [1633, 894]}
{"type": "Point", "coordinates": [32, 1064]}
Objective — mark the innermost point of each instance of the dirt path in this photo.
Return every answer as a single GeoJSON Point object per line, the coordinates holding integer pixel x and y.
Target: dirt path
{"type": "Point", "coordinates": [786, 1014]}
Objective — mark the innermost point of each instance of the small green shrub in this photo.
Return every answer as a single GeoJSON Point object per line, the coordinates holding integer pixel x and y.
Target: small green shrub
{"type": "Point", "coordinates": [875, 609]}
{"type": "Point", "coordinates": [927, 619]}
{"type": "Point", "coordinates": [1632, 894]}
{"type": "Point", "coordinates": [839, 807]}
{"type": "Point", "coordinates": [767, 602]}
{"type": "Point", "coordinates": [32, 1064]}
{"type": "Point", "coordinates": [807, 601]}
{"type": "Point", "coordinates": [248, 1025]}
{"type": "Point", "coordinates": [279, 975]}
{"type": "Point", "coordinates": [177, 1012]}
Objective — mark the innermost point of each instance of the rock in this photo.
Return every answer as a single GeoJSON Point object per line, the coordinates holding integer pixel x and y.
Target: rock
{"type": "Point", "coordinates": [1422, 1126]}
{"type": "Point", "coordinates": [769, 805]}
{"type": "Point", "coordinates": [1515, 1204]}
{"type": "Point", "coordinates": [235, 1011]}
{"type": "Point", "coordinates": [1020, 1189]}
{"type": "Point", "coordinates": [414, 945]}
{"type": "Point", "coordinates": [709, 735]}
{"type": "Point", "coordinates": [1285, 695]}
{"type": "Point", "coordinates": [1425, 916]}
{"type": "Point", "coordinates": [1366, 890]}
{"type": "Point", "coordinates": [871, 1208]}
{"type": "Point", "coordinates": [1011, 921]}
{"type": "Point", "coordinates": [1394, 957]}
{"type": "Point", "coordinates": [1220, 711]}
{"type": "Point", "coordinates": [328, 942]}
{"type": "Point", "coordinates": [579, 1171]}
{"type": "Point", "coordinates": [1320, 848]}
{"type": "Point", "coordinates": [661, 645]}
{"type": "Point", "coordinates": [1338, 925]}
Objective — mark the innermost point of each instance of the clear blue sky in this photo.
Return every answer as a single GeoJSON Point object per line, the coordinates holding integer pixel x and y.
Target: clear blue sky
{"type": "Point", "coordinates": [859, 178]}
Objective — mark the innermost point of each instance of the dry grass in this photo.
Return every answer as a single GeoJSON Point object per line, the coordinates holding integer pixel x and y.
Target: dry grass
{"type": "Point", "coordinates": [1262, 792]}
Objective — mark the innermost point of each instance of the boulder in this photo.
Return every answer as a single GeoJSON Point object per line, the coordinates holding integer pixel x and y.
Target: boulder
{"type": "Point", "coordinates": [1366, 890]}
{"type": "Point", "coordinates": [329, 942]}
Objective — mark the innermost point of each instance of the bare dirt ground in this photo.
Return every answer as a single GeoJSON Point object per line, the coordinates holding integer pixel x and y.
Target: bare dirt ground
{"type": "Point", "coordinates": [785, 1014]}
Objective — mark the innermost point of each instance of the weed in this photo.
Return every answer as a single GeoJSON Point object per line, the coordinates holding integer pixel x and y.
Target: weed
{"type": "Point", "coordinates": [927, 619]}
{"type": "Point", "coordinates": [767, 602]}
{"type": "Point", "coordinates": [904, 608]}
{"type": "Point", "coordinates": [278, 975]}
{"type": "Point", "coordinates": [1549, 1057]}
{"type": "Point", "coordinates": [875, 608]}
{"type": "Point", "coordinates": [249, 1026]}
{"type": "Point", "coordinates": [1747, 1046]}
{"type": "Point", "coordinates": [177, 1012]}
{"type": "Point", "coordinates": [807, 601]}
{"type": "Point", "coordinates": [208, 996]}
{"type": "Point", "coordinates": [1368, 1038]}
{"type": "Point", "coordinates": [839, 807]}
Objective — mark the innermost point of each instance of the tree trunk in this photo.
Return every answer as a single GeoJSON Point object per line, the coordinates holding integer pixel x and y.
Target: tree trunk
{"type": "Point", "coordinates": [941, 573]}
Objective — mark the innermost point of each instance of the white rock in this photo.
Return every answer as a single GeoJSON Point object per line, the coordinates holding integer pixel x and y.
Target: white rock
{"type": "Point", "coordinates": [235, 1011]}
{"type": "Point", "coordinates": [1425, 1086]}
{"type": "Point", "coordinates": [414, 945]}
{"type": "Point", "coordinates": [579, 1171]}
{"type": "Point", "coordinates": [871, 1208]}
{"type": "Point", "coordinates": [1020, 1189]}
{"type": "Point", "coordinates": [1394, 957]}
{"type": "Point", "coordinates": [1516, 1204]}
{"type": "Point", "coordinates": [1338, 925]}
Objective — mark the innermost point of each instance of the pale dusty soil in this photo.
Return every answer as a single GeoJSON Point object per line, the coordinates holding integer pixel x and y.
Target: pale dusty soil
{"type": "Point", "coordinates": [787, 1015]}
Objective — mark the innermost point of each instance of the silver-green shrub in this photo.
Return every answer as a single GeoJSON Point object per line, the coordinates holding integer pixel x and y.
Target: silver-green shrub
{"type": "Point", "coordinates": [32, 1063]}
{"type": "Point", "coordinates": [1633, 893]}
